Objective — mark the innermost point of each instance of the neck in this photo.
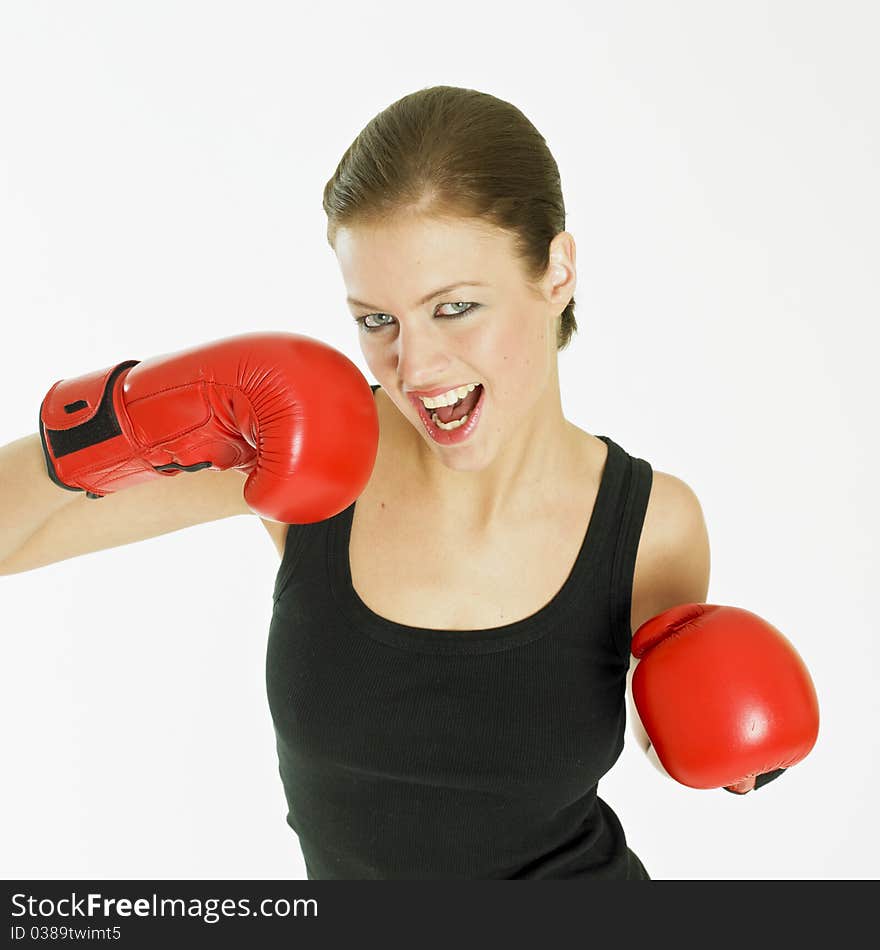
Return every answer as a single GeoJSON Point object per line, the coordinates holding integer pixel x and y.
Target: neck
{"type": "Point", "coordinates": [527, 464]}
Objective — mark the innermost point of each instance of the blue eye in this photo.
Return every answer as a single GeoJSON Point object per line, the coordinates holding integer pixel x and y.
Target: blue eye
{"type": "Point", "coordinates": [455, 316]}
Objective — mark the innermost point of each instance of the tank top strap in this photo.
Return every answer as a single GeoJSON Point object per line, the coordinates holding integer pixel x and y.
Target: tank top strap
{"type": "Point", "coordinates": [614, 533]}
{"type": "Point", "coordinates": [626, 501]}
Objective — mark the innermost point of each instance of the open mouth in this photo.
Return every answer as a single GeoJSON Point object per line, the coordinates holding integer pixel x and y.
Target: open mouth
{"type": "Point", "coordinates": [451, 418]}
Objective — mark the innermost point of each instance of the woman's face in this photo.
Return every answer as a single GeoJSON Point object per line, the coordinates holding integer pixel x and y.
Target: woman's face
{"type": "Point", "coordinates": [505, 340]}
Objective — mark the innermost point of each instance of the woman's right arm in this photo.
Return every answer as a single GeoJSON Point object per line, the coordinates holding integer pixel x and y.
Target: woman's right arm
{"type": "Point", "coordinates": [274, 424]}
{"type": "Point", "coordinates": [41, 523]}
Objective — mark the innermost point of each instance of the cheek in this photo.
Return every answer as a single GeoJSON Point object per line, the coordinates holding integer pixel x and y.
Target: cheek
{"type": "Point", "coordinates": [519, 359]}
{"type": "Point", "coordinates": [375, 354]}
{"type": "Point", "coordinates": [515, 347]}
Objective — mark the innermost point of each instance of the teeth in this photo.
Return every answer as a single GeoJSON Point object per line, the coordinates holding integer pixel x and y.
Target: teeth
{"type": "Point", "coordinates": [448, 398]}
{"type": "Point", "coordinates": [449, 425]}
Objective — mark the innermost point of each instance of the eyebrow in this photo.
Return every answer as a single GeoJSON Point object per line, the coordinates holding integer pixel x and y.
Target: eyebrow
{"type": "Point", "coordinates": [427, 297]}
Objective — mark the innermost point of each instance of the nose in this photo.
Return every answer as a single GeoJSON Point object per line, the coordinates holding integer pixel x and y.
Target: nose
{"type": "Point", "coordinates": [422, 357]}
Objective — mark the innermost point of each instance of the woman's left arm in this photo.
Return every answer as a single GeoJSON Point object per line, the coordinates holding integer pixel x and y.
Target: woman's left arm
{"type": "Point", "coordinates": [672, 567]}
{"type": "Point", "coordinates": [724, 694]}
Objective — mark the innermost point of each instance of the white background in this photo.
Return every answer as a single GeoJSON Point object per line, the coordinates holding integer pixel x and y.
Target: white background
{"type": "Point", "coordinates": [162, 170]}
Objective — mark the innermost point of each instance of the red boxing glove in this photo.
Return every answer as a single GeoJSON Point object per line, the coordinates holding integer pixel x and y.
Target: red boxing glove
{"type": "Point", "coordinates": [293, 412]}
{"type": "Point", "coordinates": [723, 695]}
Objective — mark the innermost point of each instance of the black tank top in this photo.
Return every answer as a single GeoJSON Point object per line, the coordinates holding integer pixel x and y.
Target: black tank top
{"type": "Point", "coordinates": [411, 753]}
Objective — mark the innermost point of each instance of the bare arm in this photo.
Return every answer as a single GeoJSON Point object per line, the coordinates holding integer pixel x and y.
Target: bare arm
{"type": "Point", "coordinates": [41, 523]}
{"type": "Point", "coordinates": [28, 497]}
{"type": "Point", "coordinates": [672, 567]}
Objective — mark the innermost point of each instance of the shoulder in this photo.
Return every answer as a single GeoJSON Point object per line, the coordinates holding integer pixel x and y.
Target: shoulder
{"type": "Point", "coordinates": [674, 513]}
{"type": "Point", "coordinates": [673, 560]}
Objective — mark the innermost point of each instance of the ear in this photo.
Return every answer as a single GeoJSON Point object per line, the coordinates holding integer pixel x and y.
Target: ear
{"type": "Point", "coordinates": [562, 272]}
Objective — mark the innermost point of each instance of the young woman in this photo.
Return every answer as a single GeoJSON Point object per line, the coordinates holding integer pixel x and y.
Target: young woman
{"type": "Point", "coordinates": [448, 655]}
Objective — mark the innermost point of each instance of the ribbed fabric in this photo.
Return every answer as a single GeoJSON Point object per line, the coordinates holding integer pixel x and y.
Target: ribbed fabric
{"type": "Point", "coordinates": [410, 753]}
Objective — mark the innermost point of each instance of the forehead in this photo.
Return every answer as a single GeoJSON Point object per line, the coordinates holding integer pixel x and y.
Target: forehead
{"type": "Point", "coordinates": [431, 247]}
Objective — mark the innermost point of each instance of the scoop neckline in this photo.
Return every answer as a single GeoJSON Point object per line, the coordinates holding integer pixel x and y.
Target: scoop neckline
{"type": "Point", "coordinates": [486, 640]}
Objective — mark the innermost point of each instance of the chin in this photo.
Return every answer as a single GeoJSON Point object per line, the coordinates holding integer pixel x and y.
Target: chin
{"type": "Point", "coordinates": [462, 465]}
{"type": "Point", "coordinates": [458, 458]}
